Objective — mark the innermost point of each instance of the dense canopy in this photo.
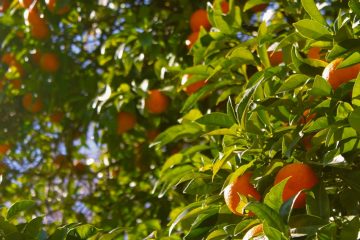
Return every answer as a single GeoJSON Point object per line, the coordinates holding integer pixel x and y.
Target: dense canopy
{"type": "Point", "coordinates": [179, 119]}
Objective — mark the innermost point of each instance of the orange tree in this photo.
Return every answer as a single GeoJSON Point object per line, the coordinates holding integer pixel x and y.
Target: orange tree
{"type": "Point", "coordinates": [115, 124]}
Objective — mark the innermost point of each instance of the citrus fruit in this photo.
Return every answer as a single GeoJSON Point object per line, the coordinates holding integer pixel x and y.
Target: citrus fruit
{"type": "Point", "coordinates": [156, 102]}
{"type": "Point", "coordinates": [125, 122]}
{"type": "Point", "coordinates": [275, 57]}
{"type": "Point", "coordinates": [225, 7]}
{"type": "Point", "coordinates": [49, 62]}
{"type": "Point", "coordinates": [307, 117]}
{"type": "Point", "coordinates": [32, 17]}
{"type": "Point", "coordinates": [5, 4]}
{"type": "Point", "coordinates": [191, 39]}
{"type": "Point", "coordinates": [32, 104]}
{"type": "Point", "coordinates": [40, 31]}
{"type": "Point", "coordinates": [193, 87]}
{"type": "Point", "coordinates": [336, 76]}
{"type": "Point", "coordinates": [315, 53]}
{"type": "Point", "coordinates": [4, 148]}
{"type": "Point", "coordinates": [56, 117]}
{"type": "Point", "coordinates": [8, 58]}
{"type": "Point", "coordinates": [301, 177]}
{"type": "Point", "coordinates": [199, 18]}
{"type": "Point", "coordinates": [243, 186]}
{"type": "Point", "coordinates": [254, 232]}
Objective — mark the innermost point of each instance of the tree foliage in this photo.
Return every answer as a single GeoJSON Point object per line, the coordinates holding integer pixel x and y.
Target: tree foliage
{"type": "Point", "coordinates": [86, 156]}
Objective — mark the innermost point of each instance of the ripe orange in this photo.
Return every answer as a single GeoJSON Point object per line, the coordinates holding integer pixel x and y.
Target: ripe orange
{"type": "Point", "coordinates": [40, 31]}
{"type": "Point", "coordinates": [56, 117]}
{"type": "Point", "coordinates": [315, 53]}
{"type": "Point", "coordinates": [32, 17]}
{"type": "Point", "coordinates": [254, 232]}
{"type": "Point", "coordinates": [301, 177]}
{"type": "Point", "coordinates": [156, 102]}
{"type": "Point", "coordinates": [194, 87]}
{"type": "Point", "coordinates": [52, 6]}
{"type": "Point", "coordinates": [125, 122]}
{"type": "Point", "coordinates": [26, 3]}
{"type": "Point", "coordinates": [49, 62]}
{"type": "Point", "coordinates": [275, 57]}
{"type": "Point", "coordinates": [5, 4]}
{"type": "Point", "coordinates": [225, 7]}
{"type": "Point", "coordinates": [199, 18]}
{"type": "Point", "coordinates": [307, 117]}
{"type": "Point", "coordinates": [243, 186]}
{"type": "Point", "coordinates": [32, 104]}
{"type": "Point", "coordinates": [4, 148]}
{"type": "Point", "coordinates": [336, 77]}
{"type": "Point", "coordinates": [8, 58]}
{"type": "Point", "coordinates": [192, 38]}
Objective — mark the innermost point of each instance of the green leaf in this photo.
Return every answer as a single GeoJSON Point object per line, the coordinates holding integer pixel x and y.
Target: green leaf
{"type": "Point", "coordinates": [85, 231]}
{"type": "Point", "coordinates": [19, 207]}
{"type": "Point", "coordinates": [193, 99]}
{"type": "Point", "coordinates": [32, 229]}
{"type": "Point", "coordinates": [313, 30]}
{"type": "Point", "coordinates": [273, 233]}
{"type": "Point", "coordinates": [321, 87]}
{"type": "Point", "coordinates": [216, 119]}
{"type": "Point", "coordinates": [343, 110]}
{"type": "Point", "coordinates": [268, 215]}
{"type": "Point", "coordinates": [343, 47]}
{"type": "Point", "coordinates": [355, 6]}
{"type": "Point", "coordinates": [350, 229]}
{"type": "Point", "coordinates": [356, 92]}
{"type": "Point", "coordinates": [351, 60]}
{"type": "Point", "coordinates": [274, 198]}
{"type": "Point", "coordinates": [313, 11]}
{"type": "Point", "coordinates": [292, 82]}
{"type": "Point", "coordinates": [241, 55]}
{"type": "Point", "coordinates": [176, 132]}
{"type": "Point", "coordinates": [319, 204]}
{"type": "Point", "coordinates": [217, 235]}
{"type": "Point", "coordinates": [354, 119]}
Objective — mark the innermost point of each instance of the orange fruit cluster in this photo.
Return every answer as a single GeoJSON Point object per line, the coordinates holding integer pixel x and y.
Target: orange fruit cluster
{"type": "Point", "coordinates": [31, 103]}
{"type": "Point", "coordinates": [301, 177]}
